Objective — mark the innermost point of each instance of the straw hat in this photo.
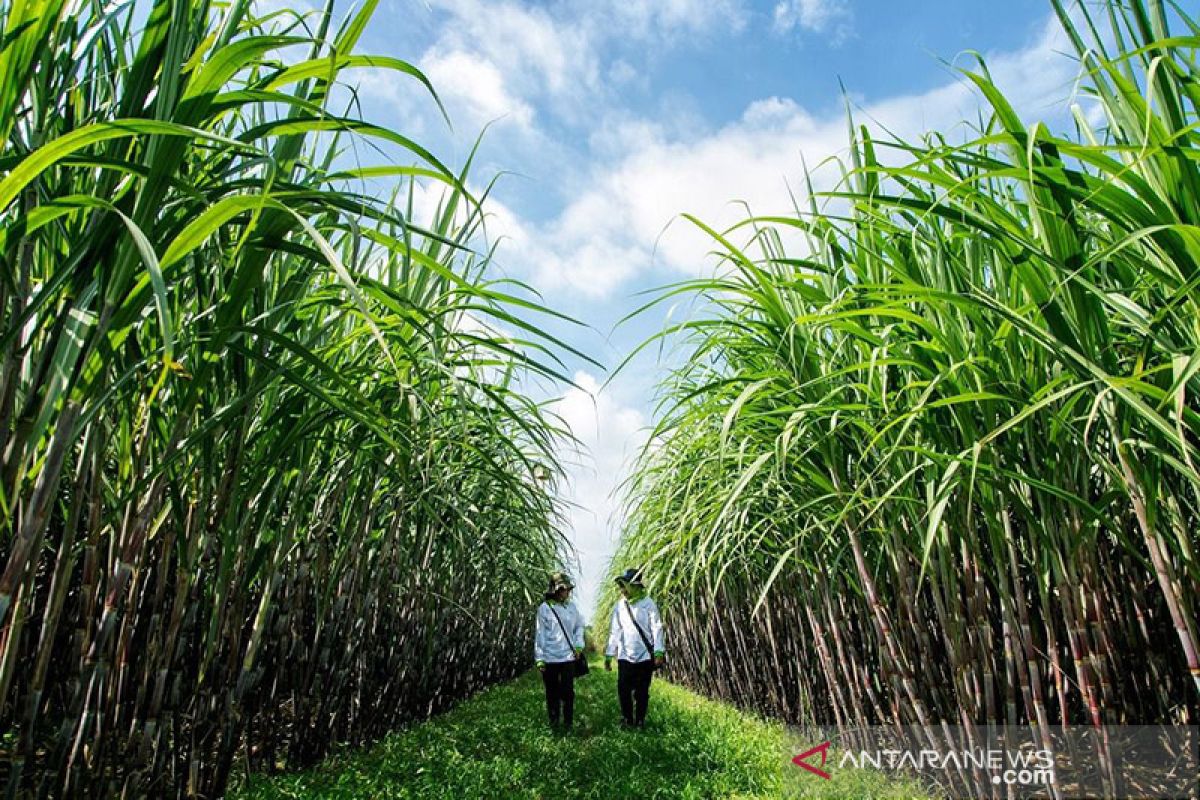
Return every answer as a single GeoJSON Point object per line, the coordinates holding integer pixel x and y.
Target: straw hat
{"type": "Point", "coordinates": [559, 580]}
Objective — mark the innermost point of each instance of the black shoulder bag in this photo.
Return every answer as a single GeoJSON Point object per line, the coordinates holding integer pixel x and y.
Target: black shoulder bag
{"type": "Point", "coordinates": [641, 633]}
{"type": "Point", "coordinates": [581, 665]}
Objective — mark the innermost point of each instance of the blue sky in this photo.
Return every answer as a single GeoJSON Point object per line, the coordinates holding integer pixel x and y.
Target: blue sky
{"type": "Point", "coordinates": [609, 118]}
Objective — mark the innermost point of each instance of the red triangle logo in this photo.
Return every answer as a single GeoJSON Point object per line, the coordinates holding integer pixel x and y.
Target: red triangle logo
{"type": "Point", "coordinates": [801, 760]}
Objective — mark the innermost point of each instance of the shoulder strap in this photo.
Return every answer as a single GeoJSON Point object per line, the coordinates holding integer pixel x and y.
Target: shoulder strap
{"type": "Point", "coordinates": [641, 633]}
{"type": "Point", "coordinates": [560, 624]}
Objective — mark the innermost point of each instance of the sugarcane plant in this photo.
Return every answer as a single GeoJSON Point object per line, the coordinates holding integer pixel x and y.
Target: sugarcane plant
{"type": "Point", "coordinates": [271, 477]}
{"type": "Point", "coordinates": [931, 455]}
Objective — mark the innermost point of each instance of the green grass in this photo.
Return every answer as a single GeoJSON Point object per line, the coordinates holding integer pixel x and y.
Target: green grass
{"type": "Point", "coordinates": [498, 745]}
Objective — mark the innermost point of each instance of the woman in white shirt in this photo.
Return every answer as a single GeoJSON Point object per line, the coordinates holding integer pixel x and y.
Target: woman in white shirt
{"type": "Point", "coordinates": [557, 643]}
{"type": "Point", "coordinates": [635, 639]}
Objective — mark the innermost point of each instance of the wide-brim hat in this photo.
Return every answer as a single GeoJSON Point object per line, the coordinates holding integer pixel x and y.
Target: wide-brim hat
{"type": "Point", "coordinates": [631, 576]}
{"type": "Point", "coordinates": [559, 580]}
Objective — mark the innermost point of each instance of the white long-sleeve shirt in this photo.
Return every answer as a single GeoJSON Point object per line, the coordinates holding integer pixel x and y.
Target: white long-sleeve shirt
{"type": "Point", "coordinates": [549, 643]}
{"type": "Point", "coordinates": [624, 641]}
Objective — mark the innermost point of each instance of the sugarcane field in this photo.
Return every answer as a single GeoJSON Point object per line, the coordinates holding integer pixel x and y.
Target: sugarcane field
{"type": "Point", "coordinates": [622, 399]}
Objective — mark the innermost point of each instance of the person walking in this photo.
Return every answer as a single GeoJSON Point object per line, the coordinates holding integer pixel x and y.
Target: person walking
{"type": "Point", "coordinates": [558, 650]}
{"type": "Point", "coordinates": [635, 639]}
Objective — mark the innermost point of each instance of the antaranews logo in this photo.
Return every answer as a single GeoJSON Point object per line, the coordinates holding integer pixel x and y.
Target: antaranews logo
{"type": "Point", "coordinates": [1152, 761]}
{"type": "Point", "coordinates": [1019, 767]}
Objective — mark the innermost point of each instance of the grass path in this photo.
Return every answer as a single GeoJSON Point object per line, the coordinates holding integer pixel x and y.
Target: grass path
{"type": "Point", "coordinates": [497, 745]}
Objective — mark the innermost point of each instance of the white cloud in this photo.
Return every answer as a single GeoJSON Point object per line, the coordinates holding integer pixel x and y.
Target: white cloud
{"type": "Point", "coordinates": [509, 56]}
{"type": "Point", "coordinates": [474, 90]}
{"type": "Point", "coordinates": [832, 17]}
{"type": "Point", "coordinates": [610, 432]}
{"type": "Point", "coordinates": [612, 231]}
{"type": "Point", "coordinates": [622, 72]}
{"type": "Point", "coordinates": [665, 19]}
{"type": "Point", "coordinates": [543, 59]}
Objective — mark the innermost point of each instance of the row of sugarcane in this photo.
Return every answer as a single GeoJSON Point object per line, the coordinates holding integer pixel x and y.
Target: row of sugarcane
{"type": "Point", "coordinates": [931, 457]}
{"type": "Point", "coordinates": [269, 475]}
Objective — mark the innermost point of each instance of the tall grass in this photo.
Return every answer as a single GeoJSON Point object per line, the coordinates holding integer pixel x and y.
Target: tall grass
{"type": "Point", "coordinates": [269, 482]}
{"type": "Point", "coordinates": [938, 463]}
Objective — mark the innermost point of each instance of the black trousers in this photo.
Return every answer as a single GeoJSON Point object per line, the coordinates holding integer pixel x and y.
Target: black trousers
{"type": "Point", "coordinates": [633, 689]}
{"type": "Point", "coordinates": [560, 692]}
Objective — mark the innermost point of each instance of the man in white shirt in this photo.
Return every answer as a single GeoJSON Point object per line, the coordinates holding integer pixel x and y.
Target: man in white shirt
{"type": "Point", "coordinates": [635, 639]}
{"type": "Point", "coordinates": [557, 643]}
